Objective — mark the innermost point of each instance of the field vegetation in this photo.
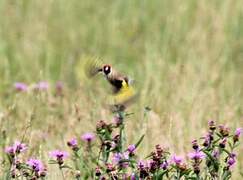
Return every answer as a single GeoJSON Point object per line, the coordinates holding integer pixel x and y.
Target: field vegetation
{"type": "Point", "coordinates": [186, 59]}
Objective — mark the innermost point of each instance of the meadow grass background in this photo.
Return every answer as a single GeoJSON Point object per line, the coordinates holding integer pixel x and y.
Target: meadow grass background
{"type": "Point", "coordinates": [186, 58]}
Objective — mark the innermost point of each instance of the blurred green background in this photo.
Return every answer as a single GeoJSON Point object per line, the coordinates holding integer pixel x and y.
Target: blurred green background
{"type": "Point", "coordinates": [186, 57]}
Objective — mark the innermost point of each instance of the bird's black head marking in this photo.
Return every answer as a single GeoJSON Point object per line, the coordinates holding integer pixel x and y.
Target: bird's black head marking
{"type": "Point", "coordinates": [107, 69]}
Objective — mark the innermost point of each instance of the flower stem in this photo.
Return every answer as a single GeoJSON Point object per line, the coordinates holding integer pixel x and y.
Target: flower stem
{"type": "Point", "coordinates": [63, 177]}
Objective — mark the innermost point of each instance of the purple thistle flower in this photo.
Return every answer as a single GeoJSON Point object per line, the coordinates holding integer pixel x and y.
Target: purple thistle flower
{"type": "Point", "coordinates": [10, 150]}
{"type": "Point", "coordinates": [216, 154]}
{"type": "Point", "coordinates": [97, 171]}
{"type": "Point", "coordinates": [223, 130]}
{"type": "Point", "coordinates": [42, 86]}
{"type": "Point", "coordinates": [195, 145]}
{"type": "Point", "coordinates": [36, 165]}
{"type": "Point", "coordinates": [197, 155]}
{"type": "Point", "coordinates": [176, 159]}
{"type": "Point", "coordinates": [19, 86]}
{"type": "Point", "coordinates": [164, 165]}
{"type": "Point", "coordinates": [117, 157]}
{"type": "Point", "coordinates": [238, 131]}
{"type": "Point", "coordinates": [88, 137]}
{"type": "Point", "coordinates": [131, 148]}
{"type": "Point", "coordinates": [143, 167]}
{"type": "Point", "coordinates": [19, 147]}
{"type": "Point", "coordinates": [141, 164]}
{"type": "Point", "coordinates": [133, 176]}
{"type": "Point", "coordinates": [231, 160]}
{"type": "Point", "coordinates": [16, 148]}
{"type": "Point", "coordinates": [237, 134]}
{"type": "Point", "coordinates": [73, 143]}
{"type": "Point", "coordinates": [222, 143]}
{"type": "Point", "coordinates": [207, 139]}
{"type": "Point", "coordinates": [211, 125]}
{"type": "Point", "coordinates": [59, 156]}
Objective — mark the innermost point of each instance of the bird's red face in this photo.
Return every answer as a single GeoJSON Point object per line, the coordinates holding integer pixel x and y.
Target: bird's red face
{"type": "Point", "coordinates": [107, 69]}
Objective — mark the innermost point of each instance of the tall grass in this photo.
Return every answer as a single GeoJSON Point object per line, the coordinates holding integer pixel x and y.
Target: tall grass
{"type": "Point", "coordinates": [186, 58]}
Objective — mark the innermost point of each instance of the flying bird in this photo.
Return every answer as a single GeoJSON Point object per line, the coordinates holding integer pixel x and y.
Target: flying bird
{"type": "Point", "coordinates": [122, 87]}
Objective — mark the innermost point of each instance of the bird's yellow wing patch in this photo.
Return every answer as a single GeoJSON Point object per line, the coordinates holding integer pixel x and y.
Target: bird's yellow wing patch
{"type": "Point", "coordinates": [125, 94]}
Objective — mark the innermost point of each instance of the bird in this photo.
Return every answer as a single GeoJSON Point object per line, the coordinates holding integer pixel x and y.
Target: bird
{"type": "Point", "coordinates": [123, 91]}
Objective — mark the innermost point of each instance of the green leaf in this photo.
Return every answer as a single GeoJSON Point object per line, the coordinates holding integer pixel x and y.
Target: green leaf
{"type": "Point", "coordinates": [161, 174]}
{"type": "Point", "coordinates": [231, 145]}
{"type": "Point", "coordinates": [52, 162]}
{"type": "Point", "coordinates": [225, 150]}
{"type": "Point", "coordinates": [127, 160]}
{"type": "Point", "coordinates": [66, 166]}
{"type": "Point", "coordinates": [139, 141]}
{"type": "Point", "coordinates": [212, 160]}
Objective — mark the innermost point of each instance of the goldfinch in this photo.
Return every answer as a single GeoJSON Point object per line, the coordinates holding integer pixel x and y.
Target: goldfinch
{"type": "Point", "coordinates": [123, 91]}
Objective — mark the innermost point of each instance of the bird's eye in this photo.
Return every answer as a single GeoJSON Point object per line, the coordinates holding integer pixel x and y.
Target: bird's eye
{"type": "Point", "coordinates": [107, 69]}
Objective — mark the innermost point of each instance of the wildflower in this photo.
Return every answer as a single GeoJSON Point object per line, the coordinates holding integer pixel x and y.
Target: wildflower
{"type": "Point", "coordinates": [109, 167]}
{"type": "Point", "coordinates": [207, 139]}
{"type": "Point", "coordinates": [42, 86]}
{"type": "Point", "coordinates": [143, 169]}
{"type": "Point", "coordinates": [153, 165]}
{"type": "Point", "coordinates": [10, 151]}
{"type": "Point", "coordinates": [196, 168]}
{"type": "Point", "coordinates": [216, 154]}
{"type": "Point", "coordinates": [133, 176]}
{"type": "Point", "coordinates": [13, 173]}
{"type": "Point", "coordinates": [238, 131]}
{"type": "Point", "coordinates": [102, 178]}
{"type": "Point", "coordinates": [59, 88]}
{"type": "Point", "coordinates": [73, 143]}
{"type": "Point", "coordinates": [164, 165]}
{"type": "Point", "coordinates": [101, 125]}
{"type": "Point", "coordinates": [159, 150]}
{"type": "Point", "coordinates": [17, 163]}
{"type": "Point", "coordinates": [223, 143]}
{"type": "Point", "coordinates": [197, 155]}
{"type": "Point", "coordinates": [19, 86]}
{"type": "Point", "coordinates": [195, 145]}
{"type": "Point", "coordinates": [237, 134]}
{"type": "Point", "coordinates": [88, 137]}
{"type": "Point", "coordinates": [211, 125]}
{"type": "Point", "coordinates": [141, 164]}
{"type": "Point", "coordinates": [36, 166]}
{"type": "Point", "coordinates": [97, 171]}
{"type": "Point", "coordinates": [176, 159]}
{"type": "Point", "coordinates": [131, 148]}
{"type": "Point", "coordinates": [17, 148]}
{"type": "Point", "coordinates": [231, 160]}
{"type": "Point", "coordinates": [223, 130]}
{"type": "Point", "coordinates": [59, 156]}
{"type": "Point", "coordinates": [118, 157]}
